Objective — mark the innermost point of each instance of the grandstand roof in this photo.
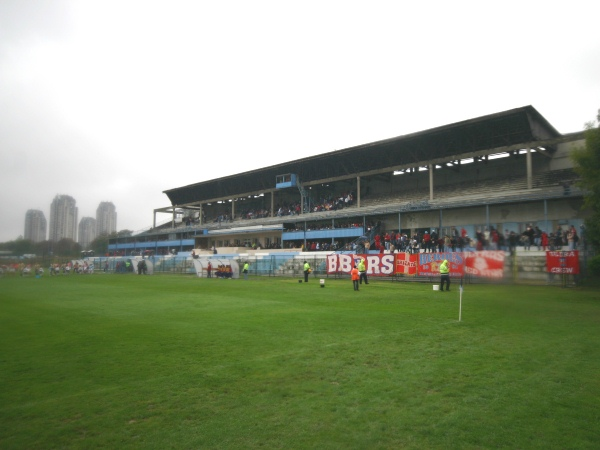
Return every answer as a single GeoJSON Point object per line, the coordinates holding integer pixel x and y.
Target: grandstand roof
{"type": "Point", "coordinates": [488, 134]}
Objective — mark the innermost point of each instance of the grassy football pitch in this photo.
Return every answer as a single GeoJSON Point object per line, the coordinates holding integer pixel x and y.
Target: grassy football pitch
{"type": "Point", "coordinates": [157, 362]}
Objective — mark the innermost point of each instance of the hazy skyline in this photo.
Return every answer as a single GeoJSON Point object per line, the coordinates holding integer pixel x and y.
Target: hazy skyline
{"type": "Point", "coordinates": [121, 100]}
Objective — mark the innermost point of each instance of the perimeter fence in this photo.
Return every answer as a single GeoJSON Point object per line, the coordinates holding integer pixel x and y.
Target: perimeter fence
{"type": "Point", "coordinates": [524, 268]}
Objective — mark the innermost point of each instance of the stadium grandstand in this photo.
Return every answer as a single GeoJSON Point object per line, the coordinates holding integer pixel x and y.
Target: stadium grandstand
{"type": "Point", "coordinates": [506, 171]}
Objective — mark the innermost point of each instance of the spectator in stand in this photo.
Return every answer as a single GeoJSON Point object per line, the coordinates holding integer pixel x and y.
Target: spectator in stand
{"type": "Point", "coordinates": [571, 234]}
{"type": "Point", "coordinates": [377, 242]}
{"type": "Point", "coordinates": [544, 240]}
{"type": "Point", "coordinates": [558, 240]}
{"type": "Point", "coordinates": [575, 237]}
{"type": "Point", "coordinates": [506, 240]}
{"type": "Point", "coordinates": [464, 244]}
{"type": "Point", "coordinates": [427, 241]}
{"type": "Point", "coordinates": [415, 244]}
{"type": "Point", "coordinates": [537, 237]}
{"type": "Point", "coordinates": [494, 239]}
{"type": "Point", "coordinates": [501, 241]}
{"type": "Point", "coordinates": [480, 240]}
{"type": "Point", "coordinates": [404, 246]}
{"type": "Point", "coordinates": [525, 242]}
{"type": "Point", "coordinates": [454, 241]}
{"type": "Point", "coordinates": [447, 244]}
{"type": "Point", "coordinates": [486, 238]}
{"type": "Point", "coordinates": [530, 233]}
{"type": "Point", "coordinates": [434, 240]}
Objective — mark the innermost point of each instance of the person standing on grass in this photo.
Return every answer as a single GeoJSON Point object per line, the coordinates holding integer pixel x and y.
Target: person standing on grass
{"type": "Point", "coordinates": [245, 270]}
{"type": "Point", "coordinates": [355, 277]}
{"type": "Point", "coordinates": [306, 271]}
{"type": "Point", "coordinates": [445, 275]}
{"type": "Point", "coordinates": [209, 270]}
{"type": "Point", "coordinates": [362, 270]}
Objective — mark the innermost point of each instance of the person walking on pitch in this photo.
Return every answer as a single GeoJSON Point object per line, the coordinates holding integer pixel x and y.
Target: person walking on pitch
{"type": "Point", "coordinates": [355, 277]}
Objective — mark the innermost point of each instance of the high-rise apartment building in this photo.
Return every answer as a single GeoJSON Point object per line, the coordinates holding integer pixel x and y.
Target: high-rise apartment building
{"type": "Point", "coordinates": [106, 219]}
{"type": "Point", "coordinates": [87, 232]}
{"type": "Point", "coordinates": [35, 225]}
{"type": "Point", "coordinates": [63, 218]}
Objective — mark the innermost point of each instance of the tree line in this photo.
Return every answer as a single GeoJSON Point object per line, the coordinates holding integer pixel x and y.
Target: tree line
{"type": "Point", "coordinates": [63, 248]}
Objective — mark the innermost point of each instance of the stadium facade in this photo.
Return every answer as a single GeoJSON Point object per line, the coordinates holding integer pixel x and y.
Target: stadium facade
{"type": "Point", "coordinates": [506, 170]}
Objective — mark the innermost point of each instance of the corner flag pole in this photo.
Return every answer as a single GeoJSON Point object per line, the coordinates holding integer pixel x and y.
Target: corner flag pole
{"type": "Point", "coordinates": [460, 289]}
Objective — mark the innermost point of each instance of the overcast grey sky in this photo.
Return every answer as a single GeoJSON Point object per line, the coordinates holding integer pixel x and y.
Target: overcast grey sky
{"type": "Point", "coordinates": [120, 100]}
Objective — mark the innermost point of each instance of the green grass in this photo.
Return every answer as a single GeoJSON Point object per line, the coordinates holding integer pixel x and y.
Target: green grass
{"type": "Point", "coordinates": [158, 362]}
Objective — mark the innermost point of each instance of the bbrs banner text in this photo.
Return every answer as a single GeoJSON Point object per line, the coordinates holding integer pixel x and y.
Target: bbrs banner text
{"type": "Point", "coordinates": [376, 265]}
{"type": "Point", "coordinates": [488, 264]}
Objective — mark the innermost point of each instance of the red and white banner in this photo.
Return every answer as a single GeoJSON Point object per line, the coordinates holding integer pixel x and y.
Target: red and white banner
{"type": "Point", "coordinates": [406, 263]}
{"type": "Point", "coordinates": [563, 262]}
{"type": "Point", "coordinates": [485, 264]}
{"type": "Point", "coordinates": [429, 263]}
{"type": "Point", "coordinates": [381, 265]}
{"type": "Point", "coordinates": [489, 264]}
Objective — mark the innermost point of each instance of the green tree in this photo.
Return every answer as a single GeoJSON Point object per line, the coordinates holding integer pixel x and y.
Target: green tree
{"type": "Point", "coordinates": [18, 247]}
{"type": "Point", "coordinates": [587, 165]}
{"type": "Point", "coordinates": [43, 249]}
{"type": "Point", "coordinates": [67, 247]}
{"type": "Point", "coordinates": [100, 245]}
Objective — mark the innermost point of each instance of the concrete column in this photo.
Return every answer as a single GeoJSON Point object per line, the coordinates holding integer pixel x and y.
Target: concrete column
{"type": "Point", "coordinates": [430, 181]}
{"type": "Point", "coordinates": [358, 191]}
{"type": "Point", "coordinates": [529, 170]}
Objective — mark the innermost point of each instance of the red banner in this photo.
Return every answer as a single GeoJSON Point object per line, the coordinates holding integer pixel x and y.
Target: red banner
{"type": "Point", "coordinates": [429, 263]}
{"type": "Point", "coordinates": [488, 264]}
{"type": "Point", "coordinates": [379, 265]}
{"type": "Point", "coordinates": [406, 263]}
{"type": "Point", "coordinates": [563, 262]}
{"type": "Point", "coordinates": [485, 264]}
